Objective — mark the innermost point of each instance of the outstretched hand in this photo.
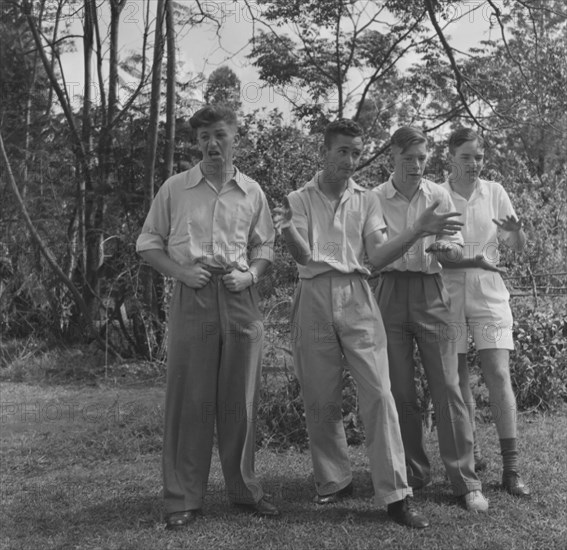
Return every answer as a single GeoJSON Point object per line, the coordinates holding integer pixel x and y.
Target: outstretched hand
{"type": "Point", "coordinates": [509, 223]}
{"type": "Point", "coordinates": [282, 216]}
{"type": "Point", "coordinates": [441, 246]}
{"type": "Point", "coordinates": [430, 223]}
{"type": "Point", "coordinates": [481, 262]}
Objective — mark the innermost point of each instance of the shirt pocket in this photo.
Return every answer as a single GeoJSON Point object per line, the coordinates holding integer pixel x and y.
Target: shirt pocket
{"type": "Point", "coordinates": [241, 221]}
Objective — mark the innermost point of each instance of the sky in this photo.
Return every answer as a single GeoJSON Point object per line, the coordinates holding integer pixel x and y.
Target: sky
{"type": "Point", "coordinates": [203, 49]}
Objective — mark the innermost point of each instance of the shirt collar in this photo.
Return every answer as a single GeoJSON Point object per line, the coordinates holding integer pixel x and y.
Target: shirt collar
{"type": "Point", "coordinates": [195, 176]}
{"type": "Point", "coordinates": [352, 186]}
{"type": "Point", "coordinates": [481, 187]}
{"type": "Point", "coordinates": [391, 190]}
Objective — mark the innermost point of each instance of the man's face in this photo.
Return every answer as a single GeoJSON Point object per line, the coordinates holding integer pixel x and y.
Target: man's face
{"type": "Point", "coordinates": [216, 142]}
{"type": "Point", "coordinates": [467, 161]}
{"type": "Point", "coordinates": [342, 156]}
{"type": "Point", "coordinates": [409, 165]}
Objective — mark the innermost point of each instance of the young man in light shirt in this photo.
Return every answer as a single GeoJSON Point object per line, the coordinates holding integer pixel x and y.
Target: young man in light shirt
{"type": "Point", "coordinates": [329, 225]}
{"type": "Point", "coordinates": [415, 307]}
{"type": "Point", "coordinates": [478, 293]}
{"type": "Point", "coordinates": [210, 228]}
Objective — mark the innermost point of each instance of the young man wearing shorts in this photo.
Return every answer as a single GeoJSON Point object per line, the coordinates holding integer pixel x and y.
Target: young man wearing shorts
{"type": "Point", "coordinates": [479, 295]}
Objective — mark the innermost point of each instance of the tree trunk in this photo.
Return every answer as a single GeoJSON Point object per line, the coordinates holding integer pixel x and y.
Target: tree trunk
{"type": "Point", "coordinates": [170, 92]}
{"type": "Point", "coordinates": [84, 181]}
{"type": "Point", "coordinates": [151, 150]}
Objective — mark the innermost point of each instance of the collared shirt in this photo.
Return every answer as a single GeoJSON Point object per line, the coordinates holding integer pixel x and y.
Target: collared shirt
{"type": "Point", "coordinates": [193, 222]}
{"type": "Point", "coordinates": [488, 201]}
{"type": "Point", "coordinates": [336, 236]}
{"type": "Point", "coordinates": [401, 213]}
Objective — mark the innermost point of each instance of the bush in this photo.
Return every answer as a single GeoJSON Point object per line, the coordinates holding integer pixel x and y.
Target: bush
{"type": "Point", "coordinates": [539, 363]}
{"type": "Point", "coordinates": [281, 414]}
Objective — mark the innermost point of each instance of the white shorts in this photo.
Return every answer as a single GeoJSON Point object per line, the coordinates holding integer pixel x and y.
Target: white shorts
{"type": "Point", "coordinates": [480, 301]}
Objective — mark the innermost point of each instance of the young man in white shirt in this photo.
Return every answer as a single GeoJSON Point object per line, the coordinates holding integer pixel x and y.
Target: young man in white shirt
{"type": "Point", "coordinates": [479, 295]}
{"type": "Point", "coordinates": [329, 225]}
{"type": "Point", "coordinates": [210, 229]}
{"type": "Point", "coordinates": [415, 307]}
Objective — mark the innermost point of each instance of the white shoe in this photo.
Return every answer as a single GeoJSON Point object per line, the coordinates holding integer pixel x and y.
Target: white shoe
{"type": "Point", "coordinates": [475, 502]}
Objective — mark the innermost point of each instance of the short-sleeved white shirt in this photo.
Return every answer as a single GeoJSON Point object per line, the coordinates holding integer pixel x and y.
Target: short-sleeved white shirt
{"type": "Point", "coordinates": [401, 213]}
{"type": "Point", "coordinates": [488, 201]}
{"type": "Point", "coordinates": [336, 236]}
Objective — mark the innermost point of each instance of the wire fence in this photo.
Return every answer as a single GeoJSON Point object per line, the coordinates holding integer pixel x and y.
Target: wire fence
{"type": "Point", "coordinates": [536, 285]}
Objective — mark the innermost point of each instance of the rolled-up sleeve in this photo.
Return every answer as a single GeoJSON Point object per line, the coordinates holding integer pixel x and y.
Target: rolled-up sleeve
{"type": "Point", "coordinates": [262, 233]}
{"type": "Point", "coordinates": [375, 217]}
{"type": "Point", "coordinates": [299, 212]}
{"type": "Point", "coordinates": [156, 228]}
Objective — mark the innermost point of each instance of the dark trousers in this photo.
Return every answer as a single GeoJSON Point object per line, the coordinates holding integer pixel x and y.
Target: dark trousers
{"type": "Point", "coordinates": [415, 307]}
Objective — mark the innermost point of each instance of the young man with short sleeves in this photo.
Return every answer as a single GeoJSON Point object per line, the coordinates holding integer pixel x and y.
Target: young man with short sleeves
{"type": "Point", "coordinates": [210, 228]}
{"type": "Point", "coordinates": [415, 307]}
{"type": "Point", "coordinates": [329, 225]}
{"type": "Point", "coordinates": [480, 297]}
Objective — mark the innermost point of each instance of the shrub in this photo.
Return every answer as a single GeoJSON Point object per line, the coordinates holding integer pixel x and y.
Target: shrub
{"type": "Point", "coordinates": [539, 363]}
{"type": "Point", "coordinates": [281, 414]}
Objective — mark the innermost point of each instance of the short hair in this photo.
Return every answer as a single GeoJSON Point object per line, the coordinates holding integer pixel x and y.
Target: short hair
{"type": "Point", "coordinates": [462, 135]}
{"type": "Point", "coordinates": [406, 136]}
{"type": "Point", "coordinates": [342, 126]}
{"type": "Point", "coordinates": [210, 114]}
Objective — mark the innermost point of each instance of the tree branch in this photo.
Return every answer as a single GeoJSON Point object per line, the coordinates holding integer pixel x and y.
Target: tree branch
{"type": "Point", "coordinates": [454, 66]}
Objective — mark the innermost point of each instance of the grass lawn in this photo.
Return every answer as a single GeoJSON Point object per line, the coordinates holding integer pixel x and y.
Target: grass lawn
{"type": "Point", "coordinates": [80, 468]}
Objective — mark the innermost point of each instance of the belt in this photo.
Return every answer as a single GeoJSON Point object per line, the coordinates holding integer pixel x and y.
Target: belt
{"type": "Point", "coordinates": [335, 273]}
{"type": "Point", "coordinates": [407, 274]}
{"type": "Point", "coordinates": [216, 270]}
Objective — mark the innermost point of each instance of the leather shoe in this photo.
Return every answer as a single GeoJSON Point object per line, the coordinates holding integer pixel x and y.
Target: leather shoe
{"type": "Point", "coordinates": [333, 498]}
{"type": "Point", "coordinates": [514, 485]}
{"type": "Point", "coordinates": [177, 520]}
{"type": "Point", "coordinates": [261, 508]}
{"type": "Point", "coordinates": [401, 513]}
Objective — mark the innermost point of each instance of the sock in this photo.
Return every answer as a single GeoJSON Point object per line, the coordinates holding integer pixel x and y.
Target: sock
{"type": "Point", "coordinates": [509, 452]}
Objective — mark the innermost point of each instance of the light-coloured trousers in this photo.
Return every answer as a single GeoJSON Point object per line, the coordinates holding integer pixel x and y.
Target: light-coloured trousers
{"type": "Point", "coordinates": [213, 372]}
{"type": "Point", "coordinates": [335, 315]}
{"type": "Point", "coordinates": [416, 307]}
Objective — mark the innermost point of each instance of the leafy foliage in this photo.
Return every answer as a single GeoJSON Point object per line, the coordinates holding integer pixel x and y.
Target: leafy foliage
{"type": "Point", "coordinates": [223, 86]}
{"type": "Point", "coordinates": [539, 363]}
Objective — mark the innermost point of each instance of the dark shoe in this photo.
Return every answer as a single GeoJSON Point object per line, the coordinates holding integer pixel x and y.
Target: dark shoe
{"type": "Point", "coordinates": [514, 485]}
{"type": "Point", "coordinates": [261, 508]}
{"type": "Point", "coordinates": [401, 513]}
{"type": "Point", "coordinates": [177, 520]}
{"type": "Point", "coordinates": [480, 464]}
{"type": "Point", "coordinates": [343, 493]}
